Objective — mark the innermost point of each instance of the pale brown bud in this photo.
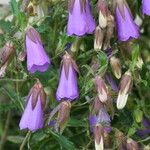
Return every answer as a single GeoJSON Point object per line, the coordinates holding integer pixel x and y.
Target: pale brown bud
{"type": "Point", "coordinates": [99, 36]}
{"type": "Point", "coordinates": [116, 66]}
{"type": "Point", "coordinates": [125, 88]}
{"type": "Point", "coordinates": [132, 145]}
{"type": "Point", "coordinates": [102, 20]}
{"type": "Point", "coordinates": [22, 56]}
{"type": "Point", "coordinates": [101, 89]}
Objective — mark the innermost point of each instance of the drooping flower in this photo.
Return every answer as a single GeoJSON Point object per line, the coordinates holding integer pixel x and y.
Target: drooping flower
{"type": "Point", "coordinates": [67, 88]}
{"type": "Point", "coordinates": [99, 125]}
{"type": "Point", "coordinates": [32, 118]}
{"type": "Point", "coordinates": [124, 90]}
{"type": "Point", "coordinates": [127, 29]}
{"type": "Point", "coordinates": [80, 20]}
{"type": "Point", "coordinates": [116, 66]}
{"type": "Point", "coordinates": [101, 89]}
{"type": "Point", "coordinates": [132, 145]}
{"type": "Point", "coordinates": [146, 7]}
{"type": "Point", "coordinates": [37, 59]}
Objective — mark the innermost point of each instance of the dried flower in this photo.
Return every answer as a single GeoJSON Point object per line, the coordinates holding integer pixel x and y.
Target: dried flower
{"type": "Point", "coordinates": [116, 66]}
{"type": "Point", "coordinates": [124, 89]}
{"type": "Point", "coordinates": [101, 89]}
{"type": "Point", "coordinates": [80, 21]}
{"type": "Point", "coordinates": [127, 28]}
{"type": "Point", "coordinates": [146, 7]}
{"type": "Point", "coordinates": [37, 59]}
{"type": "Point", "coordinates": [67, 88]}
{"type": "Point", "coordinates": [99, 36]}
{"type": "Point", "coordinates": [22, 56]}
{"type": "Point", "coordinates": [32, 118]}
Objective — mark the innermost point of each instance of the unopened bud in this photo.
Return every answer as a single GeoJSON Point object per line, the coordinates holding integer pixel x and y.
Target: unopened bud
{"type": "Point", "coordinates": [22, 56]}
{"type": "Point", "coordinates": [101, 89]}
{"type": "Point", "coordinates": [124, 89]}
{"type": "Point", "coordinates": [99, 36]}
{"type": "Point", "coordinates": [116, 67]}
{"type": "Point", "coordinates": [1, 31]}
{"type": "Point", "coordinates": [132, 145]}
{"type": "Point", "coordinates": [99, 137]}
{"type": "Point", "coordinates": [102, 20]}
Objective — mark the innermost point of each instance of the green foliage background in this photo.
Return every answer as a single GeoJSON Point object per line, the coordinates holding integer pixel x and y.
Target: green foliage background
{"type": "Point", "coordinates": [17, 82]}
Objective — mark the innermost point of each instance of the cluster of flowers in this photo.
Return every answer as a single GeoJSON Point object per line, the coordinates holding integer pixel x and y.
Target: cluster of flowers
{"type": "Point", "coordinates": [80, 22]}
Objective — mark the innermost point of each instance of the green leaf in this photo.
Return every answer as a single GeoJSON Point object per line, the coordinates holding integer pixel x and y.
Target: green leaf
{"type": "Point", "coordinates": [15, 139]}
{"type": "Point", "coordinates": [63, 141]}
{"type": "Point", "coordinates": [14, 7]}
{"type": "Point", "coordinates": [103, 62]}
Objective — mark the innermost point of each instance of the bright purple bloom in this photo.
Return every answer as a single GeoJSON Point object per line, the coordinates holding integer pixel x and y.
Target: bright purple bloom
{"type": "Point", "coordinates": [127, 29]}
{"type": "Point", "coordinates": [32, 118]}
{"type": "Point", "coordinates": [80, 20]}
{"type": "Point", "coordinates": [67, 88]}
{"type": "Point", "coordinates": [146, 7]}
{"type": "Point", "coordinates": [37, 59]}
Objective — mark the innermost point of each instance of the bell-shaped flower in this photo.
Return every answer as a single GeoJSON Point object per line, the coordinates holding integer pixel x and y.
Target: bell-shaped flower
{"type": "Point", "coordinates": [124, 90]}
{"type": "Point", "coordinates": [32, 118]}
{"type": "Point", "coordinates": [146, 7]}
{"type": "Point", "coordinates": [37, 59]}
{"type": "Point", "coordinates": [80, 20]}
{"type": "Point", "coordinates": [126, 27]}
{"type": "Point", "coordinates": [67, 88]}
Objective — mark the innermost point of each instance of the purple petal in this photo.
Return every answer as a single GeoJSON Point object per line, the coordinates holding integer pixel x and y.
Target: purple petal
{"type": "Point", "coordinates": [37, 59]}
{"type": "Point", "coordinates": [67, 88]}
{"type": "Point", "coordinates": [127, 29]}
{"type": "Point", "coordinates": [146, 7]}
{"type": "Point", "coordinates": [80, 23]}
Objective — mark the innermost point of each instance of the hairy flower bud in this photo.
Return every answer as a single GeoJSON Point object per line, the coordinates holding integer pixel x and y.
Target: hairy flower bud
{"type": "Point", "coordinates": [99, 137]}
{"type": "Point", "coordinates": [103, 13]}
{"type": "Point", "coordinates": [99, 36]}
{"type": "Point", "coordinates": [22, 56]}
{"type": "Point", "coordinates": [124, 89]}
{"type": "Point", "coordinates": [116, 66]}
{"type": "Point", "coordinates": [132, 145]}
{"type": "Point", "coordinates": [101, 89]}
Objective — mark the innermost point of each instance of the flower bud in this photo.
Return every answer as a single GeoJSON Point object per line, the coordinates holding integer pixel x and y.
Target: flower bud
{"type": "Point", "coordinates": [139, 63]}
{"type": "Point", "coordinates": [103, 13]}
{"type": "Point", "coordinates": [116, 66]}
{"type": "Point", "coordinates": [99, 36]}
{"type": "Point", "coordinates": [63, 115]}
{"type": "Point", "coordinates": [124, 89]}
{"type": "Point", "coordinates": [132, 145]}
{"type": "Point", "coordinates": [99, 137]}
{"type": "Point", "coordinates": [101, 89]}
{"type": "Point", "coordinates": [22, 56]}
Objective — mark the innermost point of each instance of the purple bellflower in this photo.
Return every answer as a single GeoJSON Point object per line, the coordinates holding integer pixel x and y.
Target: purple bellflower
{"type": "Point", "coordinates": [80, 20]}
{"type": "Point", "coordinates": [37, 59]}
{"type": "Point", "coordinates": [32, 118]}
{"type": "Point", "coordinates": [127, 29]}
{"type": "Point", "coordinates": [146, 7]}
{"type": "Point", "coordinates": [67, 88]}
